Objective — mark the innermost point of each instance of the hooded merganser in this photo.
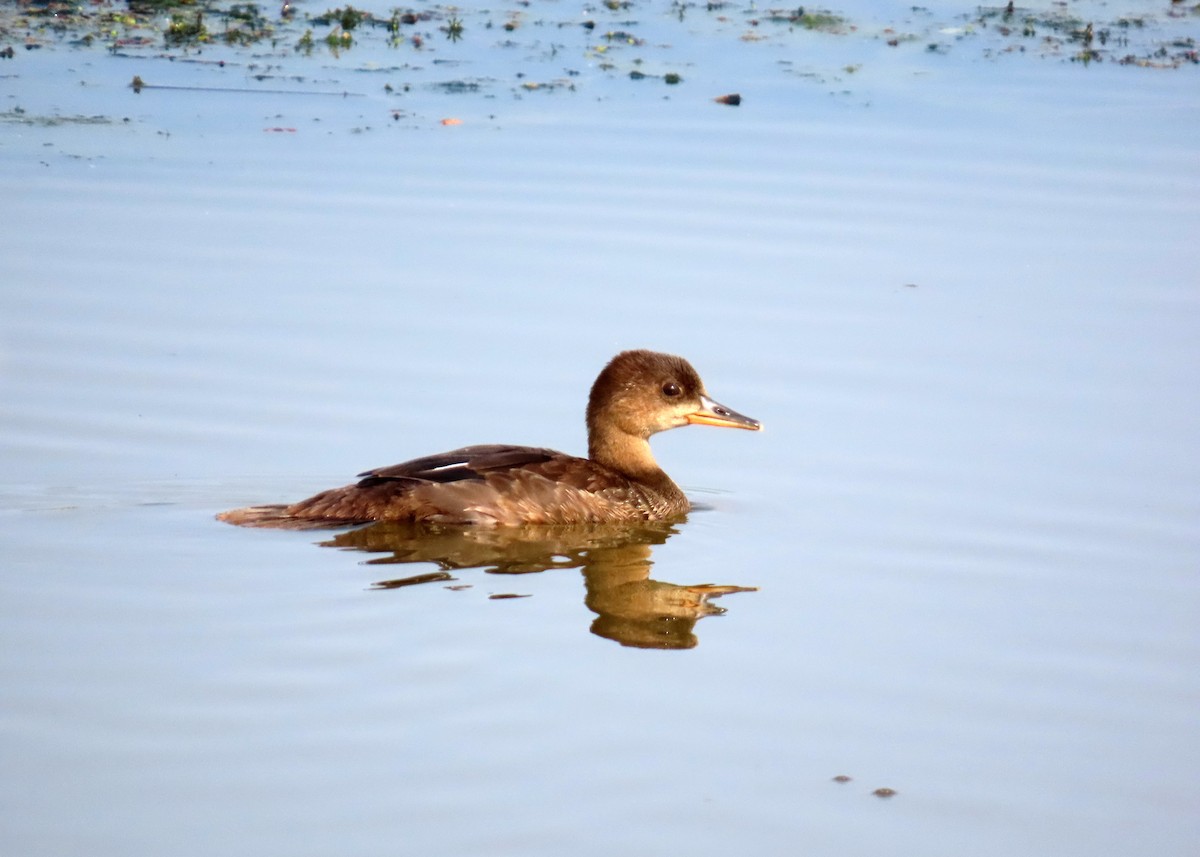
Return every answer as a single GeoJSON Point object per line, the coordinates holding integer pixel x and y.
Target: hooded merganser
{"type": "Point", "coordinates": [638, 394]}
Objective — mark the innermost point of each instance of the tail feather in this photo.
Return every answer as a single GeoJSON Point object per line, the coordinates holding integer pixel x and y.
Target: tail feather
{"type": "Point", "coordinates": [276, 517]}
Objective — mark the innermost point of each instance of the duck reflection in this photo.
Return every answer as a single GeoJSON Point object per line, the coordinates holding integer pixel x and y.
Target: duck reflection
{"type": "Point", "coordinates": [630, 608]}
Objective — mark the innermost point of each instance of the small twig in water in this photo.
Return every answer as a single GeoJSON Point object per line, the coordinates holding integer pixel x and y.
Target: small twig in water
{"type": "Point", "coordinates": [138, 85]}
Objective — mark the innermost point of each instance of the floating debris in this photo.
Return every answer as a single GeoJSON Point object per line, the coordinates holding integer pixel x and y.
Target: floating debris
{"type": "Point", "coordinates": [732, 100]}
{"type": "Point", "coordinates": [415, 580]}
{"type": "Point", "coordinates": [137, 85]}
{"type": "Point", "coordinates": [623, 37]}
{"type": "Point", "coordinates": [18, 116]}
{"type": "Point", "coordinates": [458, 87]}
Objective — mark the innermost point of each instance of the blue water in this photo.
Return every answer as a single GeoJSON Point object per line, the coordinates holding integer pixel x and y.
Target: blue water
{"type": "Point", "coordinates": [958, 289]}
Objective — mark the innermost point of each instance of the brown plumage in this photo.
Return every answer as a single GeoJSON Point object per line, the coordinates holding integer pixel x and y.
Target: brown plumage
{"type": "Point", "coordinates": [638, 394]}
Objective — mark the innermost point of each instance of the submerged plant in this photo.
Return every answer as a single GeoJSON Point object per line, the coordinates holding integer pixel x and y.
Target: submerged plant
{"type": "Point", "coordinates": [820, 20]}
{"type": "Point", "coordinates": [154, 7]}
{"type": "Point", "coordinates": [347, 18]}
{"type": "Point", "coordinates": [351, 18]}
{"type": "Point", "coordinates": [184, 29]}
{"type": "Point", "coordinates": [248, 25]}
{"type": "Point", "coordinates": [338, 39]}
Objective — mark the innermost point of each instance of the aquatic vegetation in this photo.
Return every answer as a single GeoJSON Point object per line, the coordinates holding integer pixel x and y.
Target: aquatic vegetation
{"type": "Point", "coordinates": [393, 27]}
{"type": "Point", "coordinates": [18, 116]}
{"type": "Point", "coordinates": [344, 21]}
{"type": "Point", "coordinates": [1164, 38]}
{"type": "Point", "coordinates": [245, 25]}
{"type": "Point", "coordinates": [186, 28]}
{"type": "Point", "coordinates": [622, 37]}
{"type": "Point", "coordinates": [156, 7]}
{"type": "Point", "coordinates": [347, 18]}
{"type": "Point", "coordinates": [821, 20]}
{"type": "Point", "coordinates": [1061, 31]}
{"type": "Point", "coordinates": [458, 87]}
{"type": "Point", "coordinates": [337, 39]}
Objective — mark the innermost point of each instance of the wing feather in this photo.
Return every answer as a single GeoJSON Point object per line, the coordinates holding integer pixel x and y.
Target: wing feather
{"type": "Point", "coordinates": [491, 484]}
{"type": "Point", "coordinates": [469, 462]}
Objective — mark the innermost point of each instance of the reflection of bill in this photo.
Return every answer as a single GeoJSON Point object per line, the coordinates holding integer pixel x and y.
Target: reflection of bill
{"type": "Point", "coordinates": [637, 611]}
{"type": "Point", "coordinates": [615, 559]}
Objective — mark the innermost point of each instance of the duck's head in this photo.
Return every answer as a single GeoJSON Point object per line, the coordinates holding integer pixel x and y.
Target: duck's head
{"type": "Point", "coordinates": [640, 393]}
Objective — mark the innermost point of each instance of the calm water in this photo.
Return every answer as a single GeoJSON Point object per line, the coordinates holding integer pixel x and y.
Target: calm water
{"type": "Point", "coordinates": [959, 288]}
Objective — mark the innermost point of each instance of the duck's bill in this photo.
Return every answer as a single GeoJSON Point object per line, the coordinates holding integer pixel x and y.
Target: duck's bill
{"type": "Point", "coordinates": [715, 414]}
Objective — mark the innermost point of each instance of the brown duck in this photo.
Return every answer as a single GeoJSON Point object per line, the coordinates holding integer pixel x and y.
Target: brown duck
{"type": "Point", "coordinates": [638, 394]}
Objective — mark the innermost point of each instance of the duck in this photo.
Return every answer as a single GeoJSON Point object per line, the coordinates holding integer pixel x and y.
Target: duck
{"type": "Point", "coordinates": [638, 394]}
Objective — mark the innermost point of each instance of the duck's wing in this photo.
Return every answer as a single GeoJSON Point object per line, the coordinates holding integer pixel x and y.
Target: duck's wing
{"type": "Point", "coordinates": [467, 463]}
{"type": "Point", "coordinates": [490, 484]}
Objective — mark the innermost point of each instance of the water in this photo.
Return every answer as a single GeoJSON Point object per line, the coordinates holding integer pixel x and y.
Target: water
{"type": "Point", "coordinates": [958, 289]}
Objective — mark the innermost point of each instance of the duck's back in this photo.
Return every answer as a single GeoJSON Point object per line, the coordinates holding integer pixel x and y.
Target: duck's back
{"type": "Point", "coordinates": [489, 485]}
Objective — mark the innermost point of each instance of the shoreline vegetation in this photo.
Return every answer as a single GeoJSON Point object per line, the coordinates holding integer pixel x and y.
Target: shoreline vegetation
{"type": "Point", "coordinates": [170, 28]}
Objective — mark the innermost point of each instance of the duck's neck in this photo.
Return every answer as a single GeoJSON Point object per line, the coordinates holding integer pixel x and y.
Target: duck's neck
{"type": "Point", "coordinates": [630, 456]}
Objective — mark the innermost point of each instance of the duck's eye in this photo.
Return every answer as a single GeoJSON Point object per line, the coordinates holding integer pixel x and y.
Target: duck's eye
{"type": "Point", "coordinates": [671, 389]}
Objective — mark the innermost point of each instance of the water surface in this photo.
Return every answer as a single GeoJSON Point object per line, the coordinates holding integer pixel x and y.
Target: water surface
{"type": "Point", "coordinates": [957, 287]}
